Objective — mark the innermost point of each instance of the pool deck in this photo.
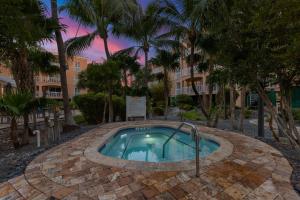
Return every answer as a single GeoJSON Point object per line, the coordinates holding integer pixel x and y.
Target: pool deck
{"type": "Point", "coordinates": [250, 170]}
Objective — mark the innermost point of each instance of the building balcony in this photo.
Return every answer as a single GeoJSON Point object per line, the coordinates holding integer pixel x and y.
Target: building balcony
{"type": "Point", "coordinates": [185, 72]}
{"type": "Point", "coordinates": [51, 95]}
{"type": "Point", "coordinates": [48, 79]}
{"type": "Point", "coordinates": [200, 88]}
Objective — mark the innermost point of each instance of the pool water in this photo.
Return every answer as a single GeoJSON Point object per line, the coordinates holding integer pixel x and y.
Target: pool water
{"type": "Point", "coordinates": [146, 144]}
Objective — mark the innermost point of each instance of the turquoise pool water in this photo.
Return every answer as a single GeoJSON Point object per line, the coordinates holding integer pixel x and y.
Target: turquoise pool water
{"type": "Point", "coordinates": [146, 144]}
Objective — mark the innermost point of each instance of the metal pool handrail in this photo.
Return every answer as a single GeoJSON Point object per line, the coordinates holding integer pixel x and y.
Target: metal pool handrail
{"type": "Point", "coordinates": [197, 139]}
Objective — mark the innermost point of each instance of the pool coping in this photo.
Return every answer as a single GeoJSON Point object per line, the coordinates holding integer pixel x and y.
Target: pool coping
{"type": "Point", "coordinates": [92, 153]}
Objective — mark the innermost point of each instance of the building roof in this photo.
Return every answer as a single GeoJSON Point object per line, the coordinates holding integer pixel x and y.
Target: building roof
{"type": "Point", "coordinates": [6, 79]}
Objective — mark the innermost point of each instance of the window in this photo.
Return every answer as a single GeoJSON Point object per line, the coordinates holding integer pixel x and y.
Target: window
{"type": "Point", "coordinates": [77, 91]}
{"type": "Point", "coordinates": [77, 67]}
{"type": "Point", "coordinates": [178, 85]}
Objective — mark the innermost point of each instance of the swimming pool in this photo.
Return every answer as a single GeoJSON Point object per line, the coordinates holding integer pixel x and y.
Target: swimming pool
{"type": "Point", "coordinates": [146, 144]}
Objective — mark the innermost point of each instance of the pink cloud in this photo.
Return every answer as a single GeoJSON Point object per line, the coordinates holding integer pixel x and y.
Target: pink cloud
{"type": "Point", "coordinates": [96, 52]}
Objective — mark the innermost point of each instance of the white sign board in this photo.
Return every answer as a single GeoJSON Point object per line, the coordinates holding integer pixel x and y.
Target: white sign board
{"type": "Point", "coordinates": [135, 107]}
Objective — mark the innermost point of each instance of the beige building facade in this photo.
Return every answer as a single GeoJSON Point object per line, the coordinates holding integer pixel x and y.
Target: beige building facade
{"type": "Point", "coordinates": [50, 84]}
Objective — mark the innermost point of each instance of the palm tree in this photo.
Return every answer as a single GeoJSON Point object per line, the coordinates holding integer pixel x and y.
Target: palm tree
{"type": "Point", "coordinates": [98, 14]}
{"type": "Point", "coordinates": [16, 105]}
{"type": "Point", "coordinates": [63, 65]}
{"type": "Point", "coordinates": [40, 61]}
{"type": "Point", "coordinates": [186, 21]}
{"type": "Point", "coordinates": [24, 25]}
{"type": "Point", "coordinates": [169, 62]}
{"type": "Point", "coordinates": [143, 27]}
{"type": "Point", "coordinates": [128, 66]}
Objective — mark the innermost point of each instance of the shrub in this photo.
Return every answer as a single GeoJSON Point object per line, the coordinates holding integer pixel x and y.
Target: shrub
{"type": "Point", "coordinates": [119, 107]}
{"type": "Point", "coordinates": [158, 111]}
{"type": "Point", "coordinates": [248, 113]}
{"type": "Point", "coordinates": [183, 99]}
{"type": "Point", "coordinates": [79, 119]}
{"type": "Point", "coordinates": [192, 115]}
{"type": "Point", "coordinates": [296, 114]}
{"type": "Point", "coordinates": [91, 106]}
{"type": "Point", "coordinates": [185, 107]}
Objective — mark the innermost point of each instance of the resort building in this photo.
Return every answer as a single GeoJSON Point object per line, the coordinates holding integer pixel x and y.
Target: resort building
{"type": "Point", "coordinates": [181, 82]}
{"type": "Point", "coordinates": [50, 84]}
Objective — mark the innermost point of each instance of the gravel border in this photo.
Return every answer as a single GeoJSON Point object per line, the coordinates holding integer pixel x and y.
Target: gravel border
{"type": "Point", "coordinates": [13, 162]}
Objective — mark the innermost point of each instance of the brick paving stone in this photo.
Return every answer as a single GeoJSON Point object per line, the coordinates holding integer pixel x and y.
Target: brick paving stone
{"type": "Point", "coordinates": [253, 170]}
{"type": "Point", "coordinates": [150, 191]}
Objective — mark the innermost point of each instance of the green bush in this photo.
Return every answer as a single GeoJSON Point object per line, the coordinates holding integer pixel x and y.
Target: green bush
{"type": "Point", "coordinates": [248, 113]}
{"type": "Point", "coordinates": [192, 115]}
{"type": "Point", "coordinates": [91, 106]}
{"type": "Point", "coordinates": [158, 111]}
{"type": "Point", "coordinates": [79, 119]}
{"type": "Point", "coordinates": [185, 106]}
{"type": "Point", "coordinates": [119, 107]}
{"type": "Point", "coordinates": [296, 114]}
{"type": "Point", "coordinates": [183, 100]}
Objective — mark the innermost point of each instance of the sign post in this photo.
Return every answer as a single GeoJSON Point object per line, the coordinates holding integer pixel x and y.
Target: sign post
{"type": "Point", "coordinates": [135, 107]}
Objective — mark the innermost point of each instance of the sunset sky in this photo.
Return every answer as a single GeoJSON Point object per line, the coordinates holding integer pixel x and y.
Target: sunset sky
{"type": "Point", "coordinates": [96, 51]}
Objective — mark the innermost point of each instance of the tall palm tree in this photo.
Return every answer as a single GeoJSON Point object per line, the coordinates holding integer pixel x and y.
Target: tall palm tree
{"type": "Point", "coordinates": [128, 66]}
{"type": "Point", "coordinates": [63, 65]}
{"type": "Point", "coordinates": [101, 15]}
{"type": "Point", "coordinates": [24, 25]}
{"type": "Point", "coordinates": [186, 21]}
{"type": "Point", "coordinates": [143, 27]}
{"type": "Point", "coordinates": [169, 62]}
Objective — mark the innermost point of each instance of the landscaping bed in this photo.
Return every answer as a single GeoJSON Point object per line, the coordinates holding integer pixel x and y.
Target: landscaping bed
{"type": "Point", "coordinates": [14, 161]}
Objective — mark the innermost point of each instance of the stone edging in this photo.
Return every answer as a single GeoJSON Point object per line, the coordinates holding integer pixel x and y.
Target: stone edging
{"type": "Point", "coordinates": [92, 154]}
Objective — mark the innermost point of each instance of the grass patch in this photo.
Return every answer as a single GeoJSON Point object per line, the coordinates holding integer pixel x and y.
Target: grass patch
{"type": "Point", "coordinates": [192, 115]}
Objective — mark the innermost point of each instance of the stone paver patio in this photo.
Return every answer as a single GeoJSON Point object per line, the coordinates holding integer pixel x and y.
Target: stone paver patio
{"type": "Point", "coordinates": [252, 170]}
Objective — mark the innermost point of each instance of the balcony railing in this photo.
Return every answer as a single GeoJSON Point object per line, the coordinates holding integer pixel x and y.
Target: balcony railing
{"type": "Point", "coordinates": [185, 72]}
{"type": "Point", "coordinates": [54, 94]}
{"type": "Point", "coordinates": [200, 88]}
{"type": "Point", "coordinates": [47, 79]}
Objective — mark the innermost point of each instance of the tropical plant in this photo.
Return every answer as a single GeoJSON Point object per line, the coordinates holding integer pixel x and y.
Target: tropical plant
{"type": "Point", "coordinates": [128, 66]}
{"type": "Point", "coordinates": [95, 114]}
{"type": "Point", "coordinates": [144, 27]}
{"type": "Point", "coordinates": [259, 45]}
{"type": "Point", "coordinates": [169, 62]}
{"type": "Point", "coordinates": [102, 77]}
{"type": "Point", "coordinates": [24, 24]}
{"type": "Point", "coordinates": [101, 15]}
{"type": "Point", "coordinates": [186, 22]}
{"type": "Point", "coordinates": [63, 65]}
{"type": "Point", "coordinates": [16, 105]}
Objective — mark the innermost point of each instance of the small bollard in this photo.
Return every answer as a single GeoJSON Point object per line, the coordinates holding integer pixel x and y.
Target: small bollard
{"type": "Point", "coordinates": [38, 137]}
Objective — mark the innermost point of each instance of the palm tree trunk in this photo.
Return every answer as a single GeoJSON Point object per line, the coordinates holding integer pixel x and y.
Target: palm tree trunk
{"type": "Point", "coordinates": [13, 132]}
{"type": "Point", "coordinates": [105, 41]}
{"type": "Point", "coordinates": [166, 92]}
{"type": "Point", "coordinates": [242, 113]}
{"type": "Point", "coordinates": [146, 67]}
{"type": "Point", "coordinates": [110, 105]}
{"type": "Point", "coordinates": [63, 66]}
{"type": "Point", "coordinates": [232, 107]}
{"type": "Point", "coordinates": [104, 111]}
{"type": "Point", "coordinates": [193, 81]}
{"type": "Point", "coordinates": [125, 82]}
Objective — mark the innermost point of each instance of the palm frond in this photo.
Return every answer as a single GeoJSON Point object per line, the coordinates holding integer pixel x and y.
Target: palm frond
{"type": "Point", "coordinates": [75, 46]}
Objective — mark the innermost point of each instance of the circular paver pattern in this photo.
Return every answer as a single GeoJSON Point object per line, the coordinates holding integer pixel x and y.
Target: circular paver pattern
{"type": "Point", "coordinates": [252, 170]}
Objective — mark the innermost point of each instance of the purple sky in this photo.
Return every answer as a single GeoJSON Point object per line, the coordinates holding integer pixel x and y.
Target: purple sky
{"type": "Point", "coordinates": [96, 51]}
